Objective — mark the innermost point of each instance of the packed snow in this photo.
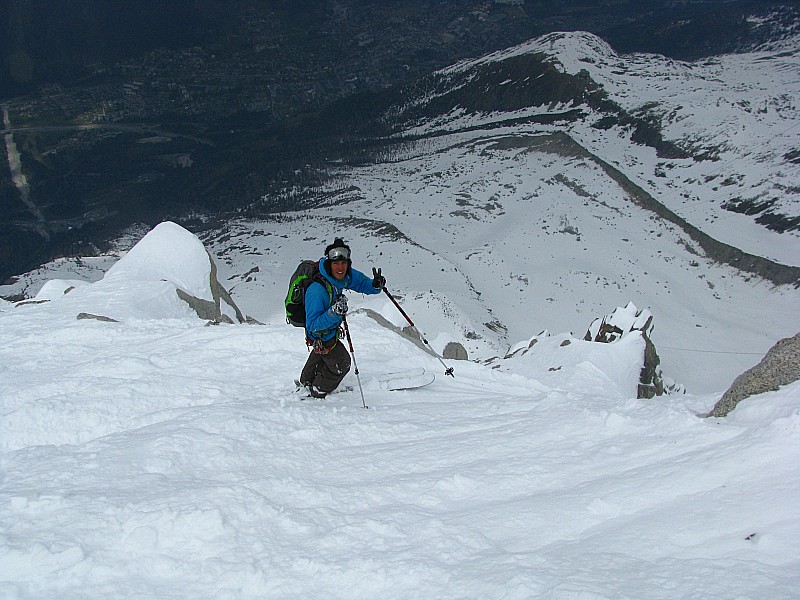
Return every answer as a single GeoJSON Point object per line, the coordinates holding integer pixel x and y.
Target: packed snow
{"type": "Point", "coordinates": [157, 457]}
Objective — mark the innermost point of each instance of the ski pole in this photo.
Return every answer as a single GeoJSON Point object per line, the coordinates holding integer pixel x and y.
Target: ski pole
{"type": "Point", "coordinates": [355, 364]}
{"type": "Point", "coordinates": [447, 370]}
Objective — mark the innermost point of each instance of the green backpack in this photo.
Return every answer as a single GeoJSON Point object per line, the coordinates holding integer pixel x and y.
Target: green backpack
{"type": "Point", "coordinates": [306, 273]}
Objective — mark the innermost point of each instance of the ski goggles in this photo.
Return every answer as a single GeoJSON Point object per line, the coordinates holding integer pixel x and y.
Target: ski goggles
{"type": "Point", "coordinates": [337, 254]}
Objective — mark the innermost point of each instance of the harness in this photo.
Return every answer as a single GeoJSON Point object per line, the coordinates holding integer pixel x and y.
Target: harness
{"type": "Point", "coordinates": [319, 347]}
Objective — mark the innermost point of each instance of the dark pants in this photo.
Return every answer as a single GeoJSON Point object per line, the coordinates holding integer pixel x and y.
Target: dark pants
{"type": "Point", "coordinates": [326, 371]}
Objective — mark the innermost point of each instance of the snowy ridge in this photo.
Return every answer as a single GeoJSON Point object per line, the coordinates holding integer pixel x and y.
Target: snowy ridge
{"type": "Point", "coordinates": [494, 226]}
{"type": "Point", "coordinates": [547, 240]}
{"type": "Point", "coordinates": [736, 114]}
{"type": "Point", "coordinates": [591, 47]}
{"type": "Point", "coordinates": [161, 458]}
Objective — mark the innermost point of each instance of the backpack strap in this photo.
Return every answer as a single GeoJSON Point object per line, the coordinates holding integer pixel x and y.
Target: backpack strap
{"type": "Point", "coordinates": [320, 279]}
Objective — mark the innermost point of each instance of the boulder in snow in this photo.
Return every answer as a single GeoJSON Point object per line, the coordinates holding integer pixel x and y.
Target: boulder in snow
{"type": "Point", "coordinates": [780, 366]}
{"type": "Point", "coordinates": [455, 351]}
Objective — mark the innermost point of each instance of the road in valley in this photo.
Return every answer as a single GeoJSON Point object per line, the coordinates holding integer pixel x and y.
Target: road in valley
{"type": "Point", "coordinates": [18, 177]}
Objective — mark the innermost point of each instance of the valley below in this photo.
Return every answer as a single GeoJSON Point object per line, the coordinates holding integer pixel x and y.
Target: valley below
{"type": "Point", "coordinates": [528, 190]}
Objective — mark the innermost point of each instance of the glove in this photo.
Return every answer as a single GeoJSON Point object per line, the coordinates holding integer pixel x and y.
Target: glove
{"type": "Point", "coordinates": [339, 308]}
{"type": "Point", "coordinates": [378, 280]}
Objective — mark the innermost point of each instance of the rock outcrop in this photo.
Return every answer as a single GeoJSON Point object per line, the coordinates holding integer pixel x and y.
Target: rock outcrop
{"type": "Point", "coordinates": [622, 321]}
{"type": "Point", "coordinates": [212, 310]}
{"type": "Point", "coordinates": [455, 351]}
{"type": "Point", "coordinates": [780, 366]}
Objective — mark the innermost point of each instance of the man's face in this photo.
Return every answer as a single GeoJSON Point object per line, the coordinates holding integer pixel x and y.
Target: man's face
{"type": "Point", "coordinates": [339, 269]}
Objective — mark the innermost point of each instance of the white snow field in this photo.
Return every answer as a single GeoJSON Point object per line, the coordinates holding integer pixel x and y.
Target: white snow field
{"type": "Point", "coordinates": [157, 457]}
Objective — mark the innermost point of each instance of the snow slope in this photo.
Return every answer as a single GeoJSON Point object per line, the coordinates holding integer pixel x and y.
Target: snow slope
{"type": "Point", "coordinates": [492, 229]}
{"type": "Point", "coordinates": [159, 458]}
{"type": "Point", "coordinates": [500, 226]}
{"type": "Point", "coordinates": [739, 112]}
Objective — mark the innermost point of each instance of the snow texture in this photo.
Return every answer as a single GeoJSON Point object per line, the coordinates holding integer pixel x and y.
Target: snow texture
{"type": "Point", "coordinates": [490, 232]}
{"type": "Point", "coordinates": [158, 458]}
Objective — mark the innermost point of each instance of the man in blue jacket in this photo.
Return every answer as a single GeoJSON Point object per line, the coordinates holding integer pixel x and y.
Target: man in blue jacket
{"type": "Point", "coordinates": [326, 307]}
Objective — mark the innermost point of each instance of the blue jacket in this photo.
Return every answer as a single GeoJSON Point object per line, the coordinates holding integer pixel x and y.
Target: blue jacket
{"type": "Point", "coordinates": [321, 322]}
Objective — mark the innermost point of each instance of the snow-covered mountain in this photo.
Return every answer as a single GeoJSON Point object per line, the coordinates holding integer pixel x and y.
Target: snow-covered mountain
{"type": "Point", "coordinates": [540, 187]}
{"type": "Point", "coordinates": [736, 116]}
{"type": "Point", "coordinates": [595, 180]}
{"type": "Point", "coordinates": [156, 457]}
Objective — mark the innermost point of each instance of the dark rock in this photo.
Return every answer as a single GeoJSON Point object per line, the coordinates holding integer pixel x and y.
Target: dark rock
{"type": "Point", "coordinates": [623, 321]}
{"type": "Point", "coordinates": [455, 351]}
{"type": "Point", "coordinates": [780, 366]}
{"type": "Point", "coordinates": [212, 310]}
{"type": "Point", "coordinates": [83, 315]}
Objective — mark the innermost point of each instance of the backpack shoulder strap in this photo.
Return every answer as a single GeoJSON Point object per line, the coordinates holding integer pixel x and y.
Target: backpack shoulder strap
{"type": "Point", "coordinates": [320, 278]}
